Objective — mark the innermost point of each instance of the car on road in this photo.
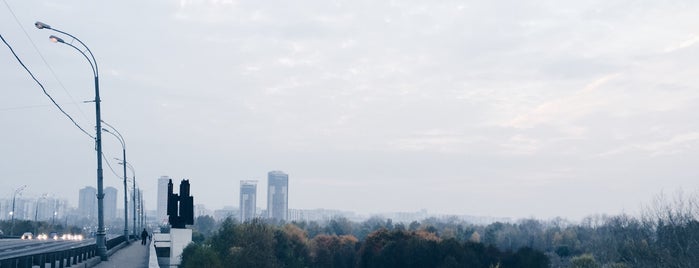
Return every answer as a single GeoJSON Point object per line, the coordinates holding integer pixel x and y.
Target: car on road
{"type": "Point", "coordinates": [53, 235]}
{"type": "Point", "coordinates": [27, 235]}
{"type": "Point", "coordinates": [2, 235]}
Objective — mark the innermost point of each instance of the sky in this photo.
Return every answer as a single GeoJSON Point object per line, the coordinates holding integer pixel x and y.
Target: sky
{"type": "Point", "coordinates": [487, 108]}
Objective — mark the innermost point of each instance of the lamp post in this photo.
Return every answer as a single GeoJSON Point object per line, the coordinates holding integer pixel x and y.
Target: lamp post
{"type": "Point", "coordinates": [17, 191]}
{"type": "Point", "coordinates": [55, 212]}
{"type": "Point", "coordinates": [142, 210]}
{"type": "Point", "coordinates": [101, 235]}
{"type": "Point", "coordinates": [133, 192]}
{"type": "Point", "coordinates": [123, 150]}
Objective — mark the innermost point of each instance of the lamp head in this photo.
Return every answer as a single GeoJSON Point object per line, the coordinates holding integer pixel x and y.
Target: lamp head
{"type": "Point", "coordinates": [41, 25]}
{"type": "Point", "coordinates": [56, 39]}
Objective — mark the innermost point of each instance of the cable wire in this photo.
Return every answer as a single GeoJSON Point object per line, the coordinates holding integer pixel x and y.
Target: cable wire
{"type": "Point", "coordinates": [44, 60]}
{"type": "Point", "coordinates": [44, 89]}
{"type": "Point", "coordinates": [104, 157]}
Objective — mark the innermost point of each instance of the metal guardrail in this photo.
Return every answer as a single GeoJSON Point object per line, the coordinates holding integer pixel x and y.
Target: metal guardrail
{"type": "Point", "coordinates": [60, 258]}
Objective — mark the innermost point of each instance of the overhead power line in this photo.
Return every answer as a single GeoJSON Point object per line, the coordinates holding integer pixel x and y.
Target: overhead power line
{"type": "Point", "coordinates": [44, 60]}
{"type": "Point", "coordinates": [44, 89]}
{"type": "Point", "coordinates": [110, 166]}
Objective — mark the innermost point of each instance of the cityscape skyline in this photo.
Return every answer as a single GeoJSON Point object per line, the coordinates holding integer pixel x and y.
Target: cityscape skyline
{"type": "Point", "coordinates": [508, 109]}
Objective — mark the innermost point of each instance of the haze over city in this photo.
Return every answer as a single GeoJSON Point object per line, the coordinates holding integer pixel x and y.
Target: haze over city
{"type": "Point", "coordinates": [507, 109]}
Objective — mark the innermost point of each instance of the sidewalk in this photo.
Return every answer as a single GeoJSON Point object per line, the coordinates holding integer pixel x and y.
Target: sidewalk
{"type": "Point", "coordinates": [134, 255]}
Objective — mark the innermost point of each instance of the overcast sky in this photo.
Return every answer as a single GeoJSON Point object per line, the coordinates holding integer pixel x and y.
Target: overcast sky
{"type": "Point", "coordinates": [487, 108]}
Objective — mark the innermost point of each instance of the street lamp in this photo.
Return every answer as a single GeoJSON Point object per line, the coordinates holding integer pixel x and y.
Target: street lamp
{"type": "Point", "coordinates": [142, 210]}
{"type": "Point", "coordinates": [17, 191]}
{"type": "Point", "coordinates": [101, 235]}
{"type": "Point", "coordinates": [133, 192]}
{"type": "Point", "coordinates": [123, 150]}
{"type": "Point", "coordinates": [142, 214]}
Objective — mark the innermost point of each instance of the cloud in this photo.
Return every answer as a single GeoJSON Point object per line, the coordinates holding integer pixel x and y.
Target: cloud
{"type": "Point", "coordinates": [684, 44]}
{"type": "Point", "coordinates": [434, 140]}
{"type": "Point", "coordinates": [566, 108]}
{"type": "Point", "coordinates": [676, 144]}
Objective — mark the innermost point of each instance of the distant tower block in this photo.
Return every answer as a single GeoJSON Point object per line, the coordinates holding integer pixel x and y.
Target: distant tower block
{"type": "Point", "coordinates": [162, 199]}
{"type": "Point", "coordinates": [87, 205]}
{"type": "Point", "coordinates": [248, 197]}
{"type": "Point", "coordinates": [278, 195]}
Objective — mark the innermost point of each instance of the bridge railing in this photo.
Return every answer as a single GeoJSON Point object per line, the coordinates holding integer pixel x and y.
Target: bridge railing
{"type": "Point", "coordinates": [60, 258]}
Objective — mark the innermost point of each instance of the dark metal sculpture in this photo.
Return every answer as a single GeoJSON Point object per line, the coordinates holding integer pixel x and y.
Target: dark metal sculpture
{"type": "Point", "coordinates": [180, 208]}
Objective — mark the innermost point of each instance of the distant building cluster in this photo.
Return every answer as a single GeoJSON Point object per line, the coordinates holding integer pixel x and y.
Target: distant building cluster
{"type": "Point", "coordinates": [43, 208]}
{"type": "Point", "coordinates": [87, 203]}
{"type": "Point", "coordinates": [320, 215]}
{"type": "Point", "coordinates": [58, 211]}
{"type": "Point", "coordinates": [278, 206]}
{"type": "Point", "coordinates": [277, 198]}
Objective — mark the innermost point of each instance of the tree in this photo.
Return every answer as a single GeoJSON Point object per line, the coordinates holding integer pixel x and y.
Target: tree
{"type": "Point", "coordinates": [195, 256]}
{"type": "Point", "coordinates": [205, 224]}
{"type": "Point", "coordinates": [339, 226]}
{"type": "Point", "coordinates": [584, 261]}
{"type": "Point", "coordinates": [333, 250]}
{"type": "Point", "coordinates": [414, 226]}
{"type": "Point", "coordinates": [475, 237]}
{"type": "Point", "coordinates": [527, 257]}
{"type": "Point", "coordinates": [253, 246]}
{"type": "Point", "coordinates": [291, 246]}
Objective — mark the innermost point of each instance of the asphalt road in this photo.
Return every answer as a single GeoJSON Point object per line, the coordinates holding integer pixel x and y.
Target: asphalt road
{"type": "Point", "coordinates": [10, 248]}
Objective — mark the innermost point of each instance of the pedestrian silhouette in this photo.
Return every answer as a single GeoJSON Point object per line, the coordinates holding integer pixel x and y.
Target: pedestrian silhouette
{"type": "Point", "coordinates": [144, 235]}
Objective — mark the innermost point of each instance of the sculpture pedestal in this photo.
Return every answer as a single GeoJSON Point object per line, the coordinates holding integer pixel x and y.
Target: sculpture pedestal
{"type": "Point", "coordinates": [169, 247]}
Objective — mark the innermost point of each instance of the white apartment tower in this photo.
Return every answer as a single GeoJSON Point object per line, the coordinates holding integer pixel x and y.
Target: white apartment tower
{"type": "Point", "coordinates": [162, 199]}
{"type": "Point", "coordinates": [248, 197]}
{"type": "Point", "coordinates": [87, 203]}
{"type": "Point", "coordinates": [277, 195]}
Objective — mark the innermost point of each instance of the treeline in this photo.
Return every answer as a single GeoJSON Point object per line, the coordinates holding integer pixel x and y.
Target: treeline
{"type": "Point", "coordinates": [666, 234]}
{"type": "Point", "coordinates": [260, 244]}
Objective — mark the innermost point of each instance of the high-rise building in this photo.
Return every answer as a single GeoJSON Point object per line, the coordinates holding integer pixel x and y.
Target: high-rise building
{"type": "Point", "coordinates": [87, 203]}
{"type": "Point", "coordinates": [21, 208]}
{"type": "Point", "coordinates": [139, 208]}
{"type": "Point", "coordinates": [45, 207]}
{"type": "Point", "coordinates": [277, 195]}
{"type": "Point", "coordinates": [248, 197]}
{"type": "Point", "coordinates": [110, 203]}
{"type": "Point", "coordinates": [162, 199]}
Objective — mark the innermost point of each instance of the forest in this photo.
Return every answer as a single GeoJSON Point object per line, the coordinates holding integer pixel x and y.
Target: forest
{"type": "Point", "coordinates": [665, 234]}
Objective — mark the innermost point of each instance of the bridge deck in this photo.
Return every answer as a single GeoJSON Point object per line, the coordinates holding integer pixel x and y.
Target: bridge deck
{"type": "Point", "coordinates": [134, 255]}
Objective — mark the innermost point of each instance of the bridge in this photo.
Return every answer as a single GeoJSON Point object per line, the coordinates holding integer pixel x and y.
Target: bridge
{"type": "Point", "coordinates": [53, 253]}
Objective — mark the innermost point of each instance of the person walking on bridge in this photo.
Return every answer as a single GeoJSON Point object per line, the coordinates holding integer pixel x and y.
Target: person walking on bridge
{"type": "Point", "coordinates": [144, 235]}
